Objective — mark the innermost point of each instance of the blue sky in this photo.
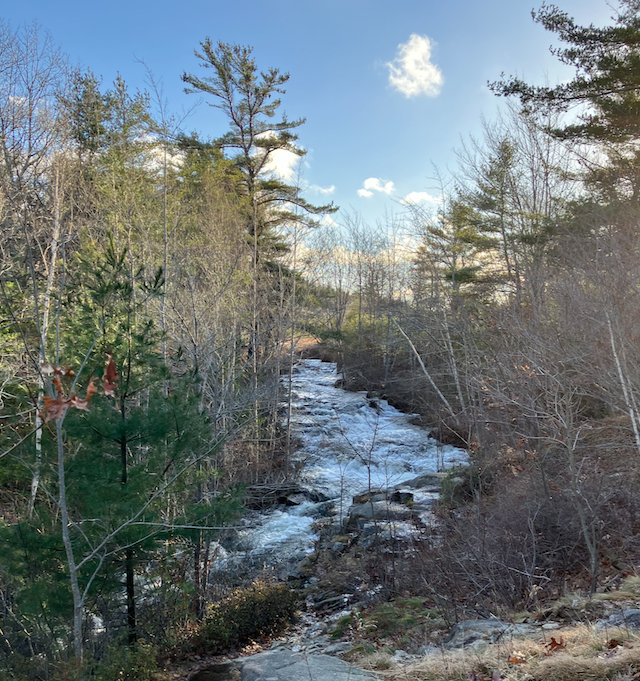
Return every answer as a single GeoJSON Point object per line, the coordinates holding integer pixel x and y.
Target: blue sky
{"type": "Point", "coordinates": [361, 125]}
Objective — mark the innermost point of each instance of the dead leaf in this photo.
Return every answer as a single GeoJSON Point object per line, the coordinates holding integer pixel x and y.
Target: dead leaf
{"type": "Point", "coordinates": [54, 409]}
{"type": "Point", "coordinates": [58, 384]}
{"type": "Point", "coordinates": [110, 376]}
{"type": "Point", "coordinates": [553, 645]}
{"type": "Point", "coordinates": [517, 658]}
{"type": "Point", "coordinates": [92, 389]}
{"type": "Point", "coordinates": [78, 403]}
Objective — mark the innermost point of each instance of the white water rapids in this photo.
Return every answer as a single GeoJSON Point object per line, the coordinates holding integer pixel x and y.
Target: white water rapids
{"type": "Point", "coordinates": [348, 445]}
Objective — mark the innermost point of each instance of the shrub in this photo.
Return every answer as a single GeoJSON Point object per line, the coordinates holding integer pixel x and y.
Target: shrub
{"type": "Point", "coordinates": [127, 664]}
{"type": "Point", "coordinates": [248, 614]}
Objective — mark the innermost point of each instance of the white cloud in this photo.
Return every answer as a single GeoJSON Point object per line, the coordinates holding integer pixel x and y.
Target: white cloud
{"type": "Point", "coordinates": [420, 197]}
{"type": "Point", "coordinates": [375, 184]}
{"type": "Point", "coordinates": [322, 190]}
{"type": "Point", "coordinates": [327, 221]}
{"type": "Point", "coordinates": [412, 72]}
{"type": "Point", "coordinates": [283, 163]}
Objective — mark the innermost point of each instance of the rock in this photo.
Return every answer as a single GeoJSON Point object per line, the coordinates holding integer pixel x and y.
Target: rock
{"type": "Point", "coordinates": [426, 480]}
{"type": "Point", "coordinates": [402, 657]}
{"type": "Point", "coordinates": [338, 648]}
{"type": "Point", "coordinates": [223, 671]}
{"type": "Point", "coordinates": [551, 625]}
{"type": "Point", "coordinates": [402, 497]}
{"type": "Point", "coordinates": [283, 665]}
{"type": "Point", "coordinates": [375, 494]}
{"type": "Point", "coordinates": [359, 514]}
{"type": "Point", "coordinates": [477, 632]}
{"type": "Point", "coordinates": [429, 650]}
{"type": "Point", "coordinates": [623, 619]}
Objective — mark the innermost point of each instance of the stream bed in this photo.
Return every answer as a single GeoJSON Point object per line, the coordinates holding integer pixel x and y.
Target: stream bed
{"type": "Point", "coordinates": [349, 444]}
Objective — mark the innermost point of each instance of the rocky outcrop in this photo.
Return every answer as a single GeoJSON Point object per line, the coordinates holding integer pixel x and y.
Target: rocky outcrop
{"type": "Point", "coordinates": [283, 665]}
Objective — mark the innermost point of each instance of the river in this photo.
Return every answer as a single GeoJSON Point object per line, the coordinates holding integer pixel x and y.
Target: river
{"type": "Point", "coordinates": [349, 444]}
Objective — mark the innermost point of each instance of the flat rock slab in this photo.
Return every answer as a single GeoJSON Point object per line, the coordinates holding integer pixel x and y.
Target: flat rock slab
{"type": "Point", "coordinates": [284, 665]}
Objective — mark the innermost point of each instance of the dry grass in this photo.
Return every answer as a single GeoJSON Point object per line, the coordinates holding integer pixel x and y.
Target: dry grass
{"type": "Point", "coordinates": [583, 654]}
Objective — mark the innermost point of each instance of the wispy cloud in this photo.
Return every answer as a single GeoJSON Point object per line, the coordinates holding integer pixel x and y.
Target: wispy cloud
{"type": "Point", "coordinates": [412, 71]}
{"type": "Point", "coordinates": [414, 198]}
{"type": "Point", "coordinates": [375, 184]}
{"type": "Point", "coordinates": [317, 189]}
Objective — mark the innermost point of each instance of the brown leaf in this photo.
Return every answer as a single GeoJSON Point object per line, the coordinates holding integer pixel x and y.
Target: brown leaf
{"type": "Point", "coordinates": [517, 658]}
{"type": "Point", "coordinates": [58, 384]}
{"type": "Point", "coordinates": [92, 389]}
{"type": "Point", "coordinates": [54, 409]}
{"type": "Point", "coordinates": [110, 376]}
{"type": "Point", "coordinates": [613, 643]}
{"type": "Point", "coordinates": [78, 403]}
{"type": "Point", "coordinates": [554, 645]}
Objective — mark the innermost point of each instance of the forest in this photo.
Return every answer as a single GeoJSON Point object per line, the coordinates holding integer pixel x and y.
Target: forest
{"type": "Point", "coordinates": [156, 287]}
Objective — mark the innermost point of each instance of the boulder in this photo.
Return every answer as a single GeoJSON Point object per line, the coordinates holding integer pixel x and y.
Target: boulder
{"type": "Point", "coordinates": [283, 665]}
{"type": "Point", "coordinates": [628, 618]}
{"type": "Point", "coordinates": [481, 632]}
{"type": "Point", "coordinates": [360, 514]}
{"type": "Point", "coordinates": [375, 494]}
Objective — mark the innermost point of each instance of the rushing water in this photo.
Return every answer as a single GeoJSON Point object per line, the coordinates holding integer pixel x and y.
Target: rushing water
{"type": "Point", "coordinates": [348, 444]}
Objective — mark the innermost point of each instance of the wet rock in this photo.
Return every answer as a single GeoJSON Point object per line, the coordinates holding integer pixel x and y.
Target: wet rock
{"type": "Point", "coordinates": [402, 497]}
{"type": "Point", "coordinates": [628, 618]}
{"type": "Point", "coordinates": [478, 632]}
{"type": "Point", "coordinates": [360, 514]}
{"type": "Point", "coordinates": [375, 494]}
{"type": "Point", "coordinates": [283, 665]}
{"type": "Point", "coordinates": [426, 481]}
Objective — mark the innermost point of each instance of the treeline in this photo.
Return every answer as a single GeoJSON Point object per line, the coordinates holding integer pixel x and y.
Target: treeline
{"type": "Point", "coordinates": [512, 327]}
{"type": "Point", "coordinates": [145, 312]}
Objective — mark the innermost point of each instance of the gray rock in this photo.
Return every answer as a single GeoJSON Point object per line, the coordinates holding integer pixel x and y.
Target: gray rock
{"type": "Point", "coordinates": [284, 665]}
{"type": "Point", "coordinates": [474, 632]}
{"type": "Point", "coordinates": [338, 648]}
{"type": "Point", "coordinates": [402, 656]}
{"type": "Point", "coordinates": [429, 650]}
{"type": "Point", "coordinates": [623, 619]}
